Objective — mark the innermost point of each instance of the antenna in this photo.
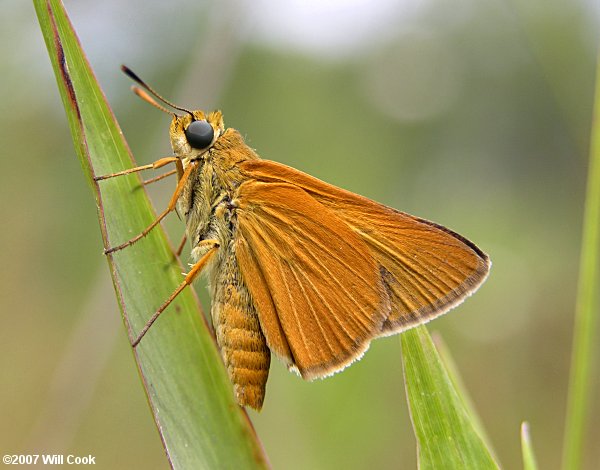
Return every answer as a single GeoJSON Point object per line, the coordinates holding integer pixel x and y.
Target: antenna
{"type": "Point", "coordinates": [148, 99]}
{"type": "Point", "coordinates": [127, 71]}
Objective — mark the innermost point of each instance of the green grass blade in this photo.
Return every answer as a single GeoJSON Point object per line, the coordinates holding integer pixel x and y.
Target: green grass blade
{"type": "Point", "coordinates": [446, 436]}
{"type": "Point", "coordinates": [586, 310]}
{"type": "Point", "coordinates": [529, 462]}
{"type": "Point", "coordinates": [188, 390]}
{"type": "Point", "coordinates": [461, 391]}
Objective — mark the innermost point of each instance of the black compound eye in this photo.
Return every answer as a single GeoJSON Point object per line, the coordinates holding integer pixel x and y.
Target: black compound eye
{"type": "Point", "coordinates": [199, 134]}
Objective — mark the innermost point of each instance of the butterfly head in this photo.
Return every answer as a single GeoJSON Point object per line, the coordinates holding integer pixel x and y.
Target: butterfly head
{"type": "Point", "coordinates": [193, 133]}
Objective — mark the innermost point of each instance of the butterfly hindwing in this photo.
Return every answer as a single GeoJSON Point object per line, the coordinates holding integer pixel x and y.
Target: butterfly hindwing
{"type": "Point", "coordinates": [317, 288]}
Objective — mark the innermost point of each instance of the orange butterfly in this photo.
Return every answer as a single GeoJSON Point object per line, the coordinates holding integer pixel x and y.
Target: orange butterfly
{"type": "Point", "coordinates": [296, 266]}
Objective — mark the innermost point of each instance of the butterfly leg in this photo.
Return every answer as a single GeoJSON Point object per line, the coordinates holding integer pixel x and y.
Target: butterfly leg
{"type": "Point", "coordinates": [159, 177]}
{"type": "Point", "coordinates": [181, 245]}
{"type": "Point", "coordinates": [212, 246]}
{"type": "Point", "coordinates": [152, 166]}
{"type": "Point", "coordinates": [171, 207]}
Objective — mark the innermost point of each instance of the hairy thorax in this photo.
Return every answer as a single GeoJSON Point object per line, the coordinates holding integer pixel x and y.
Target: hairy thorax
{"type": "Point", "coordinates": [205, 203]}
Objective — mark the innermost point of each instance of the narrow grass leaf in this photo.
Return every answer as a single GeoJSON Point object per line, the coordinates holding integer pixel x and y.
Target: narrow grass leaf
{"type": "Point", "coordinates": [461, 390]}
{"type": "Point", "coordinates": [446, 435]}
{"type": "Point", "coordinates": [529, 461]}
{"type": "Point", "coordinates": [585, 333]}
{"type": "Point", "coordinates": [186, 384]}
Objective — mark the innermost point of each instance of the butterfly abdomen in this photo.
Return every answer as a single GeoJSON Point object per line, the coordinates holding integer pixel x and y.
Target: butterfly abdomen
{"type": "Point", "coordinates": [243, 346]}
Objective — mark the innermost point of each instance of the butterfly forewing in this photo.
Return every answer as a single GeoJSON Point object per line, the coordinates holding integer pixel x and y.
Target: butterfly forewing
{"type": "Point", "coordinates": [425, 268]}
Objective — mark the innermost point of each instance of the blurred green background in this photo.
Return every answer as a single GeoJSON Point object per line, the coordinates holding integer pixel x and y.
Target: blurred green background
{"type": "Point", "coordinates": [474, 114]}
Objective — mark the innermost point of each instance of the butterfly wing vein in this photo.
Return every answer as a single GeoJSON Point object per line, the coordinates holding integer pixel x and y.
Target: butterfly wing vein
{"type": "Point", "coordinates": [329, 270]}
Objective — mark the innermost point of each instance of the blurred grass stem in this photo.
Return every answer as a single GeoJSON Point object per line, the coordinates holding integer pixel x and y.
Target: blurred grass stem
{"type": "Point", "coordinates": [586, 314]}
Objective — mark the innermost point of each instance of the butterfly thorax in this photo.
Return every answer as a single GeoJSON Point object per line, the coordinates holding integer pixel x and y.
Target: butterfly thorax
{"type": "Point", "coordinates": [205, 202]}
